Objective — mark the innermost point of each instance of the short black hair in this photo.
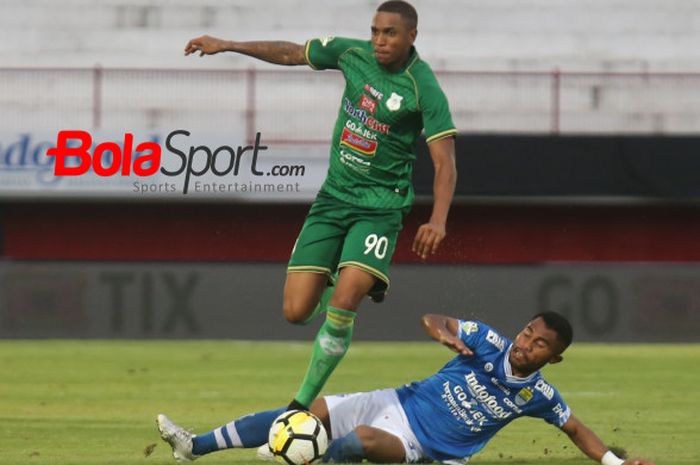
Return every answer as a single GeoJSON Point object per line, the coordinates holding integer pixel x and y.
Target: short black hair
{"type": "Point", "coordinates": [559, 324]}
{"type": "Point", "coordinates": [405, 9]}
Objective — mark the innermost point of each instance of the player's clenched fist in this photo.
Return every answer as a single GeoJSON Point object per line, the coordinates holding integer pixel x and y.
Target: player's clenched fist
{"type": "Point", "coordinates": [205, 45]}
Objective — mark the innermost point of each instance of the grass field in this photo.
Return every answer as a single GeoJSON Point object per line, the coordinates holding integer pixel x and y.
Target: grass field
{"type": "Point", "coordinates": [94, 402]}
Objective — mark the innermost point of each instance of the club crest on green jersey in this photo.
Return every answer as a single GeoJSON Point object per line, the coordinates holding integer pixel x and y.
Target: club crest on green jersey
{"type": "Point", "coordinates": [394, 102]}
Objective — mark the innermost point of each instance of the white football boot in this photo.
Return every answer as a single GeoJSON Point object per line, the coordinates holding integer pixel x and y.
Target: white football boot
{"type": "Point", "coordinates": [264, 453]}
{"type": "Point", "coordinates": [179, 439]}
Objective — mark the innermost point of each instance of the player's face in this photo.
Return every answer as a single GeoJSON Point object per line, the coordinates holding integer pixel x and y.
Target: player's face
{"type": "Point", "coordinates": [391, 39]}
{"type": "Point", "coordinates": [535, 346]}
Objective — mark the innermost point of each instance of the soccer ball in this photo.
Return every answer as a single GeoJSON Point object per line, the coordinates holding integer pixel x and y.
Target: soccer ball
{"type": "Point", "coordinates": [297, 437]}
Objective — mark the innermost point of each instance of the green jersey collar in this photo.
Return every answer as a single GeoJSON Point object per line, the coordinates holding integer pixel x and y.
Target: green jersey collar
{"type": "Point", "coordinates": [412, 58]}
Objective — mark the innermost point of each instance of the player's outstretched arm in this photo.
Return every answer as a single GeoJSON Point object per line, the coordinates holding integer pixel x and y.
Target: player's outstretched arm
{"type": "Point", "coordinates": [431, 234]}
{"type": "Point", "coordinates": [444, 330]}
{"type": "Point", "coordinates": [591, 445]}
{"type": "Point", "coordinates": [277, 52]}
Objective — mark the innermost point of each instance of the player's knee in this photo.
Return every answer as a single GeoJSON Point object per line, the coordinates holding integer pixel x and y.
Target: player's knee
{"type": "Point", "coordinates": [379, 446]}
{"type": "Point", "coordinates": [367, 437]}
{"type": "Point", "coordinates": [295, 312]}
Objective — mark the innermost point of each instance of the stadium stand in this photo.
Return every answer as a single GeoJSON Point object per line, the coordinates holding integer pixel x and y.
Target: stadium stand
{"type": "Point", "coordinates": [624, 35]}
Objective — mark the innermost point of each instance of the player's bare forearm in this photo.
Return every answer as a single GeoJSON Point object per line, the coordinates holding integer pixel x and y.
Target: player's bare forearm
{"type": "Point", "coordinates": [436, 326]}
{"type": "Point", "coordinates": [584, 438]}
{"type": "Point", "coordinates": [276, 52]}
{"type": "Point", "coordinates": [431, 234]}
{"type": "Point", "coordinates": [590, 444]}
{"type": "Point", "coordinates": [444, 330]}
{"type": "Point", "coordinates": [443, 154]}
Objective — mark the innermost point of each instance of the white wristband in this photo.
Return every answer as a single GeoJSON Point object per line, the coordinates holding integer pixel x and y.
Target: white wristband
{"type": "Point", "coordinates": [609, 458]}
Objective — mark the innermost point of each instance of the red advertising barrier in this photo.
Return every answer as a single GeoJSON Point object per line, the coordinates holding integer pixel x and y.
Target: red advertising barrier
{"type": "Point", "coordinates": [488, 234]}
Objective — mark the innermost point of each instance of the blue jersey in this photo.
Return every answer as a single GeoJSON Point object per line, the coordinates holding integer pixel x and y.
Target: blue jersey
{"type": "Point", "coordinates": [455, 412]}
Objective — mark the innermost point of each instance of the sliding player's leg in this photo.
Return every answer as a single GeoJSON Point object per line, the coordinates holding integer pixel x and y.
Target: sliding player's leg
{"type": "Point", "coordinates": [247, 431]}
{"type": "Point", "coordinates": [368, 425]}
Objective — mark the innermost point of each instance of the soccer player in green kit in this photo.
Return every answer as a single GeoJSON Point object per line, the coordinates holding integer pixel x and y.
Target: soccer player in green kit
{"type": "Point", "coordinates": [345, 246]}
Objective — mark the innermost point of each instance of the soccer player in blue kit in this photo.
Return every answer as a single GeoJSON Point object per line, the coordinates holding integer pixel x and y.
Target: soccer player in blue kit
{"type": "Point", "coordinates": [447, 417]}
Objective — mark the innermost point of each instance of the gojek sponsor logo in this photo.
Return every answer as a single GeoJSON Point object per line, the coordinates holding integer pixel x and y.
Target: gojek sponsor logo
{"type": "Point", "coordinates": [76, 154]}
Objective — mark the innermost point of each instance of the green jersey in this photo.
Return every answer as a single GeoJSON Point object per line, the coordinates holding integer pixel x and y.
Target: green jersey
{"type": "Point", "coordinates": [381, 116]}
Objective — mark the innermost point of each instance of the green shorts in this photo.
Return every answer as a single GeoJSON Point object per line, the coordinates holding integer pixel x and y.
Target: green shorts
{"type": "Point", "coordinates": [337, 234]}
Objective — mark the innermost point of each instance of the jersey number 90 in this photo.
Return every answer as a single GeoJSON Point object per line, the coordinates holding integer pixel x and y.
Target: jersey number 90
{"type": "Point", "coordinates": [378, 244]}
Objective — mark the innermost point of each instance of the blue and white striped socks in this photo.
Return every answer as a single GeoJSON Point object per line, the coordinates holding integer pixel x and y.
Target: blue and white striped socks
{"type": "Point", "coordinates": [248, 431]}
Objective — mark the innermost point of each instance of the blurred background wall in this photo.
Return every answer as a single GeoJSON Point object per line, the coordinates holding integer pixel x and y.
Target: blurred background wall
{"type": "Point", "coordinates": [577, 156]}
{"type": "Point", "coordinates": [589, 35]}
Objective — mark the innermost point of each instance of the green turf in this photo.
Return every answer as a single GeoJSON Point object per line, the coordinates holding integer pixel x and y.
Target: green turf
{"type": "Point", "coordinates": [94, 402]}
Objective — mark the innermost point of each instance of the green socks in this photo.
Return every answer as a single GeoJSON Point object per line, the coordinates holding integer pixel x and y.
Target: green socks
{"type": "Point", "coordinates": [332, 341]}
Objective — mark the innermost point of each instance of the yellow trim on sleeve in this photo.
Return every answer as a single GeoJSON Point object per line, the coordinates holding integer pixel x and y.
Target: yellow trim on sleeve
{"type": "Point", "coordinates": [306, 55]}
{"type": "Point", "coordinates": [441, 135]}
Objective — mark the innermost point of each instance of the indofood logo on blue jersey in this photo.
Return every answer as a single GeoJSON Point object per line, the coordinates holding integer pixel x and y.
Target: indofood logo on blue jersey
{"type": "Point", "coordinates": [481, 394]}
